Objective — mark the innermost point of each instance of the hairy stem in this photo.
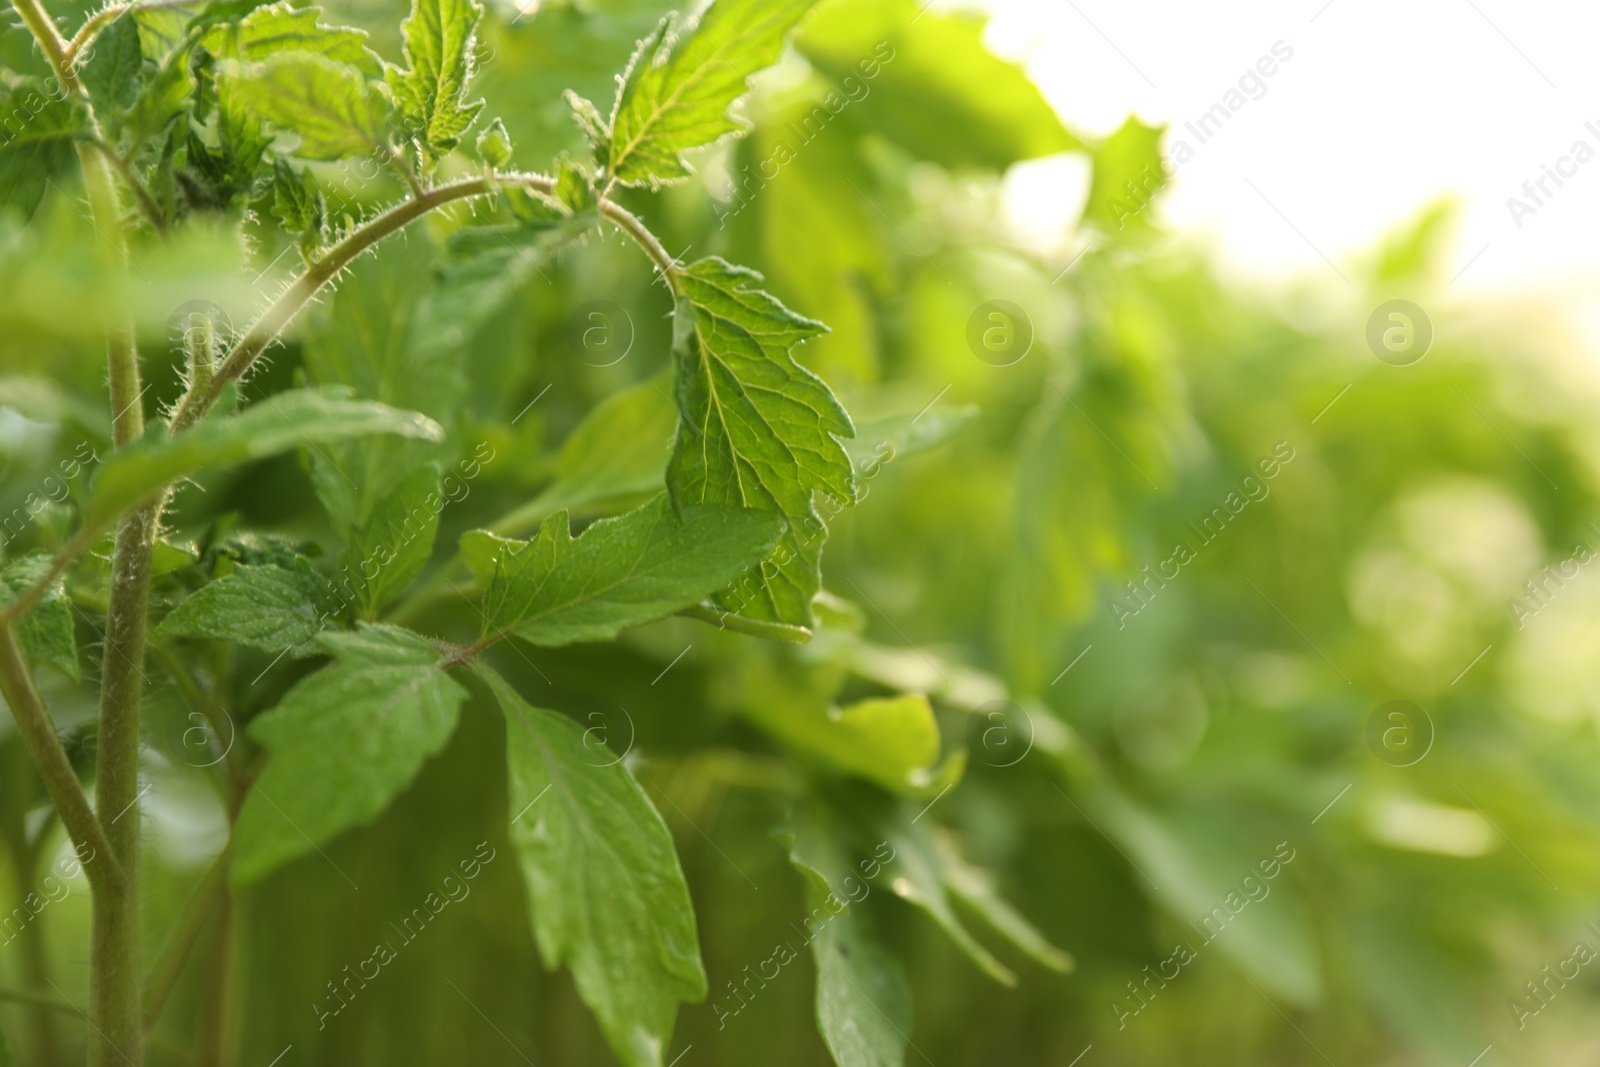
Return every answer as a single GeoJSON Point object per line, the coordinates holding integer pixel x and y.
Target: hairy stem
{"type": "Point", "coordinates": [39, 734]}
{"type": "Point", "coordinates": [75, 48]}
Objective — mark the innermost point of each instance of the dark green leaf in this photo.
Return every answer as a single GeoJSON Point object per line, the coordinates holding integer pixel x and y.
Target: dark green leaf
{"type": "Point", "coordinates": [975, 888]}
{"type": "Point", "coordinates": [278, 423]}
{"type": "Point", "coordinates": [622, 572]}
{"type": "Point", "coordinates": [331, 106]}
{"type": "Point", "coordinates": [270, 608]}
{"type": "Point", "coordinates": [389, 547]}
{"type": "Point", "coordinates": [606, 895]}
{"type": "Point", "coordinates": [46, 631]}
{"type": "Point", "coordinates": [756, 429]}
{"type": "Point", "coordinates": [440, 36]}
{"type": "Point", "coordinates": [676, 92]}
{"type": "Point", "coordinates": [296, 199]}
{"type": "Point", "coordinates": [37, 131]}
{"type": "Point", "coordinates": [344, 743]}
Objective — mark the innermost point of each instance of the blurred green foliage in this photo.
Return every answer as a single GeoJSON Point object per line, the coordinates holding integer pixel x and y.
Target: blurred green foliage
{"type": "Point", "coordinates": [1130, 715]}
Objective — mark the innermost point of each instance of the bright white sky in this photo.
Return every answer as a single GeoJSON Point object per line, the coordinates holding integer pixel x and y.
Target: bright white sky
{"type": "Point", "coordinates": [1385, 106]}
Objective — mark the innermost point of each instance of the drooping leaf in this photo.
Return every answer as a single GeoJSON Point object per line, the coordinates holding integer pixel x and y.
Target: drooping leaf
{"type": "Point", "coordinates": [677, 90]}
{"type": "Point", "coordinates": [36, 148]}
{"type": "Point", "coordinates": [756, 429]}
{"type": "Point", "coordinates": [275, 609]}
{"type": "Point", "coordinates": [277, 423]}
{"type": "Point", "coordinates": [46, 631]}
{"type": "Point", "coordinates": [335, 111]}
{"type": "Point", "coordinates": [975, 888]}
{"type": "Point", "coordinates": [606, 895]}
{"type": "Point", "coordinates": [430, 93]}
{"type": "Point", "coordinates": [622, 572]}
{"type": "Point", "coordinates": [863, 998]}
{"type": "Point", "coordinates": [344, 742]}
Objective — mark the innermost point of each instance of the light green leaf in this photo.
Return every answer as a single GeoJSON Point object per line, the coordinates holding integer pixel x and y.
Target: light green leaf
{"type": "Point", "coordinates": [903, 435]}
{"type": "Point", "coordinates": [975, 888]}
{"type": "Point", "coordinates": [893, 741]}
{"type": "Point", "coordinates": [625, 571]}
{"type": "Point", "coordinates": [278, 423]}
{"type": "Point", "coordinates": [757, 429]}
{"type": "Point", "coordinates": [276, 28]}
{"type": "Point", "coordinates": [388, 549]}
{"type": "Point", "coordinates": [40, 149]}
{"type": "Point", "coordinates": [270, 608]}
{"type": "Point", "coordinates": [334, 109]}
{"type": "Point", "coordinates": [606, 895]}
{"type": "Point", "coordinates": [863, 999]}
{"type": "Point", "coordinates": [440, 36]}
{"type": "Point", "coordinates": [494, 144]}
{"type": "Point", "coordinates": [344, 743]}
{"type": "Point", "coordinates": [676, 92]}
{"type": "Point", "coordinates": [574, 188]}
{"type": "Point", "coordinates": [46, 631]}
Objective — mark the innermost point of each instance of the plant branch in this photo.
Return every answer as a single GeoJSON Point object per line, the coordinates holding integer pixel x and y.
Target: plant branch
{"type": "Point", "coordinates": [17, 996]}
{"type": "Point", "coordinates": [50, 40]}
{"type": "Point", "coordinates": [39, 734]}
{"type": "Point", "coordinates": [147, 203]}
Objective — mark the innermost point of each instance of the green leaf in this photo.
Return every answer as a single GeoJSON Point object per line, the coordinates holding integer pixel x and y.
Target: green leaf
{"type": "Point", "coordinates": [676, 92]}
{"type": "Point", "coordinates": [440, 36]}
{"type": "Point", "coordinates": [626, 571]}
{"type": "Point", "coordinates": [334, 109]}
{"type": "Point", "coordinates": [756, 429]}
{"type": "Point", "coordinates": [46, 631]}
{"type": "Point", "coordinates": [114, 73]}
{"type": "Point", "coordinates": [270, 608]}
{"type": "Point", "coordinates": [863, 999]}
{"type": "Point", "coordinates": [276, 28]}
{"type": "Point", "coordinates": [344, 743]}
{"type": "Point", "coordinates": [388, 549]}
{"type": "Point", "coordinates": [606, 895]}
{"type": "Point", "coordinates": [494, 144]}
{"type": "Point", "coordinates": [975, 887]}
{"type": "Point", "coordinates": [574, 188]}
{"type": "Point", "coordinates": [38, 148]}
{"type": "Point", "coordinates": [1128, 174]}
{"type": "Point", "coordinates": [924, 80]}
{"type": "Point", "coordinates": [278, 423]}
{"type": "Point", "coordinates": [893, 741]}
